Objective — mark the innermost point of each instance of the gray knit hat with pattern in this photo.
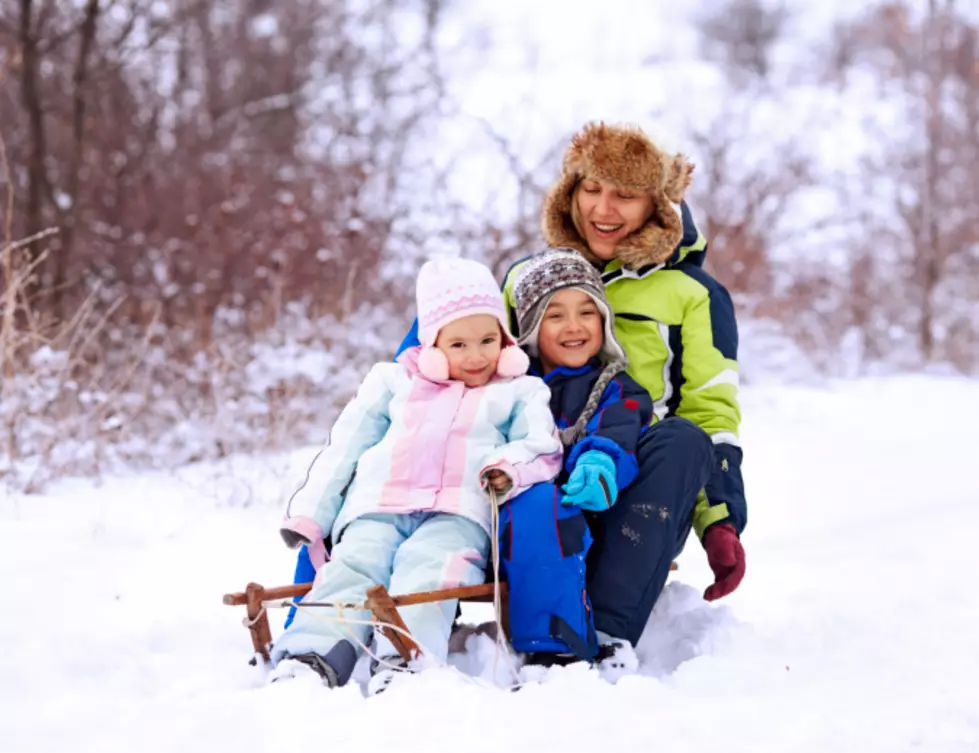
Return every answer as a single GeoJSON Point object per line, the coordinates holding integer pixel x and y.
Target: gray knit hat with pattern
{"type": "Point", "coordinates": [536, 283]}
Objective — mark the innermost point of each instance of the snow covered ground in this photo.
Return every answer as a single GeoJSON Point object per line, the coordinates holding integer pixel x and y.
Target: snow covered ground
{"type": "Point", "coordinates": [853, 631]}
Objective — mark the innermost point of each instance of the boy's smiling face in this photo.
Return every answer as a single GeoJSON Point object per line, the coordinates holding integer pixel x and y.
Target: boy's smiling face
{"type": "Point", "coordinates": [472, 346]}
{"type": "Point", "coordinates": [571, 331]}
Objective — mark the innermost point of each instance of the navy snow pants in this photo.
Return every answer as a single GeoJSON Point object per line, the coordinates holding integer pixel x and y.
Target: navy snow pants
{"type": "Point", "coordinates": [637, 539]}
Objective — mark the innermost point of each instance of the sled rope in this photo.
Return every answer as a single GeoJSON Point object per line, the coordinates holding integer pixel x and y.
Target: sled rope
{"type": "Point", "coordinates": [348, 622]}
{"type": "Point", "coordinates": [348, 626]}
{"type": "Point", "coordinates": [497, 598]}
{"type": "Point", "coordinates": [249, 622]}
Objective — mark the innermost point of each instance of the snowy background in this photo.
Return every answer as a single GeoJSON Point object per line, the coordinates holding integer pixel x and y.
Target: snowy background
{"type": "Point", "coordinates": [230, 307]}
{"type": "Point", "coordinates": [854, 627]}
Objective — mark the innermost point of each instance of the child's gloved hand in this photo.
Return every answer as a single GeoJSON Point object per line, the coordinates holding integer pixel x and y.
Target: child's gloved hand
{"type": "Point", "coordinates": [725, 554]}
{"type": "Point", "coordinates": [497, 480]}
{"type": "Point", "coordinates": [300, 531]}
{"type": "Point", "coordinates": [592, 483]}
{"type": "Point", "coordinates": [293, 539]}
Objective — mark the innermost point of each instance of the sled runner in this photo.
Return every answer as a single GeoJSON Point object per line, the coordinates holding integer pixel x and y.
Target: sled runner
{"type": "Point", "coordinates": [384, 607]}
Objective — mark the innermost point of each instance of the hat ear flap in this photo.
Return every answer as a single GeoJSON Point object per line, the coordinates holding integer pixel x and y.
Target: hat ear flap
{"type": "Point", "coordinates": [433, 365]}
{"type": "Point", "coordinates": [513, 362]}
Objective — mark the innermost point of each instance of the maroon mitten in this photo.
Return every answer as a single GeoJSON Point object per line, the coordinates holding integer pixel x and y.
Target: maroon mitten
{"type": "Point", "coordinates": [726, 557]}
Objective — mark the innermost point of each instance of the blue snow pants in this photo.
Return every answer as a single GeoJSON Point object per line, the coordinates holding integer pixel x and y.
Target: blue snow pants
{"type": "Point", "coordinates": [543, 545]}
{"type": "Point", "coordinates": [407, 553]}
{"type": "Point", "coordinates": [305, 572]}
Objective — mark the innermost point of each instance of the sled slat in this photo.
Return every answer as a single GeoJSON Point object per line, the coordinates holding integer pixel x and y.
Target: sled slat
{"type": "Point", "coordinates": [240, 599]}
{"type": "Point", "coordinates": [483, 592]}
{"type": "Point", "coordinates": [386, 613]}
{"type": "Point", "coordinates": [258, 620]}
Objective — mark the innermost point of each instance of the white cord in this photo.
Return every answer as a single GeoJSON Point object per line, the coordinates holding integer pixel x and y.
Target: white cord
{"type": "Point", "coordinates": [497, 596]}
{"type": "Point", "coordinates": [500, 641]}
{"type": "Point", "coordinates": [349, 622]}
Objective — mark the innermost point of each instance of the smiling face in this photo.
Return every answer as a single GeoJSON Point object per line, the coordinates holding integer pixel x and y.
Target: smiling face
{"type": "Point", "coordinates": [571, 331]}
{"type": "Point", "coordinates": [472, 345]}
{"type": "Point", "coordinates": [606, 214]}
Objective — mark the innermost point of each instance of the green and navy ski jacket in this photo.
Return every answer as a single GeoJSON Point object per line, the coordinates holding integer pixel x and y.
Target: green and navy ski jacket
{"type": "Point", "coordinates": [678, 327]}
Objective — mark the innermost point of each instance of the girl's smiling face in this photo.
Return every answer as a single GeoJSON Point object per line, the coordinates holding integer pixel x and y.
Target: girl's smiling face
{"type": "Point", "coordinates": [472, 346]}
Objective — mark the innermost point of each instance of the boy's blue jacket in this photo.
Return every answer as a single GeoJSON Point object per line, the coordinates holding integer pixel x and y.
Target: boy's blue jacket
{"type": "Point", "coordinates": [624, 411]}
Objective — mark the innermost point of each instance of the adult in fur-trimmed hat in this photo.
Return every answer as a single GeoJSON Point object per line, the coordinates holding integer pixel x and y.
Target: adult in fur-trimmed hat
{"type": "Point", "coordinates": [619, 202]}
{"type": "Point", "coordinates": [637, 219]}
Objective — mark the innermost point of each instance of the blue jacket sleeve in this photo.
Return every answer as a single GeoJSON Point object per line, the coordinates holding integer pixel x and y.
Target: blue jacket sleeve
{"type": "Point", "coordinates": [623, 413]}
{"type": "Point", "coordinates": [411, 339]}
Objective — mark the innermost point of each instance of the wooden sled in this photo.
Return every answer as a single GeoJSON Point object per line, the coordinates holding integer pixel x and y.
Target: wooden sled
{"type": "Point", "coordinates": [382, 605]}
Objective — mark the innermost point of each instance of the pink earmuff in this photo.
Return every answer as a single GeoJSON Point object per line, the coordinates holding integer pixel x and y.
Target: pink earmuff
{"type": "Point", "coordinates": [513, 362]}
{"type": "Point", "coordinates": [433, 364]}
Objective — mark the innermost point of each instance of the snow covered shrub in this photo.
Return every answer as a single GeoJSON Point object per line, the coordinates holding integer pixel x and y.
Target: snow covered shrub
{"type": "Point", "coordinates": [112, 409]}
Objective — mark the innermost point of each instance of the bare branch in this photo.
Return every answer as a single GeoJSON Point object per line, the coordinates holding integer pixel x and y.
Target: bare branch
{"type": "Point", "coordinates": [14, 245]}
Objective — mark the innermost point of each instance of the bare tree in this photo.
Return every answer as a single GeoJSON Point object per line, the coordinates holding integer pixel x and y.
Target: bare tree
{"type": "Point", "coordinates": [741, 201]}
{"type": "Point", "coordinates": [932, 232]}
{"type": "Point", "coordinates": [209, 166]}
{"type": "Point", "coordinates": [202, 152]}
{"type": "Point", "coordinates": [740, 35]}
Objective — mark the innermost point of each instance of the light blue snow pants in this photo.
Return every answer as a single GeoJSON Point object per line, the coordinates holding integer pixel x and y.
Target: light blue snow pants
{"type": "Point", "coordinates": [406, 553]}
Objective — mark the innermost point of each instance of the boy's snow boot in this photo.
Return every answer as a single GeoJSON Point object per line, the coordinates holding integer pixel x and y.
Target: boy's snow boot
{"type": "Point", "coordinates": [550, 659]}
{"type": "Point", "coordinates": [616, 658]}
{"type": "Point", "coordinates": [383, 671]}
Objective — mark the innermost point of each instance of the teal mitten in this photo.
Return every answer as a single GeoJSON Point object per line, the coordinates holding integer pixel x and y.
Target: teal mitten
{"type": "Point", "coordinates": [592, 485]}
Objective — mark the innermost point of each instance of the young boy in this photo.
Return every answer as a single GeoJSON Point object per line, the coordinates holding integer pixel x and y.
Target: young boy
{"type": "Point", "coordinates": [566, 326]}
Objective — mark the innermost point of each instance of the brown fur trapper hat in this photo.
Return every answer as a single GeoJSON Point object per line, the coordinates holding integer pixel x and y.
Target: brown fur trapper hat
{"type": "Point", "coordinates": [627, 157]}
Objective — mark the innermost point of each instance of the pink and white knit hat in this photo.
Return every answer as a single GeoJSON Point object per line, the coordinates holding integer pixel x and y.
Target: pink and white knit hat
{"type": "Point", "coordinates": [451, 289]}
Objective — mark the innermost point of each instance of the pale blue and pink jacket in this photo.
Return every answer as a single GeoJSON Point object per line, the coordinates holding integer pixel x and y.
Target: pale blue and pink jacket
{"type": "Point", "coordinates": [409, 444]}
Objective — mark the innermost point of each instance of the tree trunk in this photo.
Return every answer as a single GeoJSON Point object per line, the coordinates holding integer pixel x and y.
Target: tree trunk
{"type": "Point", "coordinates": [37, 146]}
{"type": "Point", "coordinates": [79, 85]}
{"type": "Point", "coordinates": [929, 247]}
